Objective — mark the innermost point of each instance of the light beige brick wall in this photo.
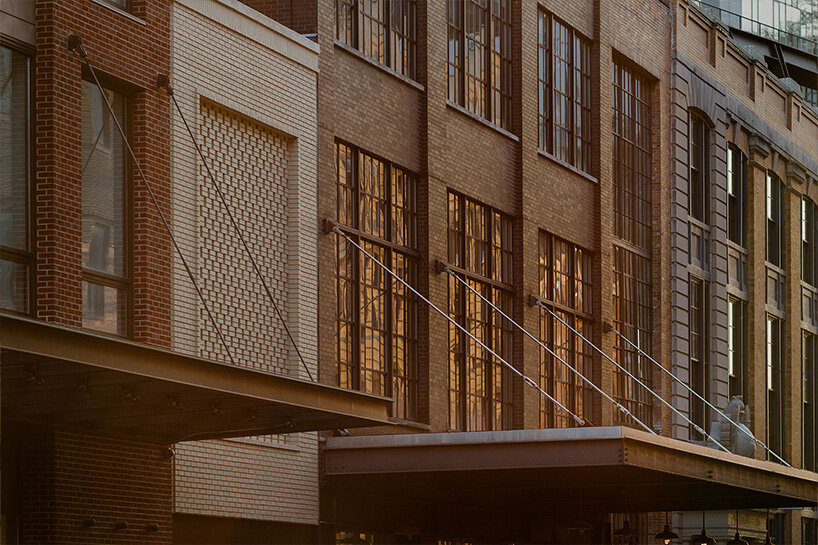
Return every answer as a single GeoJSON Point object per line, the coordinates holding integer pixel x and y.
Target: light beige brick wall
{"type": "Point", "coordinates": [247, 86]}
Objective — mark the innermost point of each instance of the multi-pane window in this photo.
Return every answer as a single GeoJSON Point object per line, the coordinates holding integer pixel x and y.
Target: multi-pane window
{"type": "Point", "coordinates": [632, 173]}
{"type": "Point", "coordinates": [736, 347]}
{"type": "Point", "coordinates": [564, 92]}
{"type": "Point", "coordinates": [480, 253]}
{"type": "Point", "coordinates": [565, 285]}
{"type": "Point", "coordinates": [105, 282]}
{"type": "Point", "coordinates": [774, 380]}
{"type": "Point", "coordinates": [809, 238]}
{"type": "Point", "coordinates": [632, 317]}
{"type": "Point", "coordinates": [699, 168]}
{"type": "Point", "coordinates": [15, 249]}
{"type": "Point", "coordinates": [632, 167]}
{"type": "Point", "coordinates": [697, 319]}
{"type": "Point", "coordinates": [776, 233]}
{"type": "Point", "coordinates": [376, 314]}
{"type": "Point", "coordinates": [479, 58]}
{"type": "Point", "coordinates": [383, 30]}
{"type": "Point", "coordinates": [809, 416]}
{"type": "Point", "coordinates": [736, 195]}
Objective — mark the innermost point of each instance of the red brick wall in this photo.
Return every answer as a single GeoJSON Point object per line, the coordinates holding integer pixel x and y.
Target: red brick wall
{"type": "Point", "coordinates": [129, 55]}
{"type": "Point", "coordinates": [299, 15]}
{"type": "Point", "coordinates": [66, 478]}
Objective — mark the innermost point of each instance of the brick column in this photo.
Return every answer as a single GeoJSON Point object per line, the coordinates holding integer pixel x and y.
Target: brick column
{"type": "Point", "coordinates": [756, 281]}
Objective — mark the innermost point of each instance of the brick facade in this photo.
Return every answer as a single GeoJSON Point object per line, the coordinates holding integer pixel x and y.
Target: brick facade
{"type": "Point", "coordinates": [65, 478]}
{"type": "Point", "coordinates": [748, 107]}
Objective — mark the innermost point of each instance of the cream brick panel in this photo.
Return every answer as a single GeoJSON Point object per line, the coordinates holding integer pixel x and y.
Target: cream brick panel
{"type": "Point", "coordinates": [250, 164]}
{"type": "Point", "coordinates": [247, 86]}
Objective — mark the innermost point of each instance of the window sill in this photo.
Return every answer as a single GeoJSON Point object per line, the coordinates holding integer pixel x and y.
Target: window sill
{"type": "Point", "coordinates": [382, 67]}
{"type": "Point", "coordinates": [569, 166]}
{"type": "Point", "coordinates": [482, 121]}
{"type": "Point", "coordinates": [698, 223]}
{"type": "Point", "coordinates": [117, 9]}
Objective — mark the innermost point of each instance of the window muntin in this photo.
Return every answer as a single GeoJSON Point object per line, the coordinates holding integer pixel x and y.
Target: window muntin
{"type": "Point", "coordinates": [106, 285]}
{"type": "Point", "coordinates": [736, 195]}
{"type": "Point", "coordinates": [776, 234]}
{"type": "Point", "coordinates": [479, 58]}
{"type": "Point", "coordinates": [809, 437]}
{"type": "Point", "coordinates": [480, 252]}
{"type": "Point", "coordinates": [377, 315]}
{"type": "Point", "coordinates": [16, 259]}
{"type": "Point", "coordinates": [775, 397]}
{"type": "Point", "coordinates": [699, 168]}
{"type": "Point", "coordinates": [699, 369]}
{"type": "Point", "coordinates": [565, 285]}
{"type": "Point", "coordinates": [632, 156]}
{"type": "Point", "coordinates": [383, 30]}
{"type": "Point", "coordinates": [736, 347]}
{"type": "Point", "coordinates": [564, 92]}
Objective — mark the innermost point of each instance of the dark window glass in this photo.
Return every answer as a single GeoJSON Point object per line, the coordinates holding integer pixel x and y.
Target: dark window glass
{"type": "Point", "coordinates": [809, 356]}
{"type": "Point", "coordinates": [104, 200]}
{"type": "Point", "coordinates": [736, 347]}
{"type": "Point", "coordinates": [632, 168]}
{"type": "Point", "coordinates": [699, 369]}
{"type": "Point", "coordinates": [479, 57]}
{"type": "Point", "coordinates": [383, 30]}
{"type": "Point", "coordinates": [775, 396]}
{"type": "Point", "coordinates": [15, 254]}
{"type": "Point", "coordinates": [564, 92]}
{"type": "Point", "coordinates": [809, 530]}
{"type": "Point", "coordinates": [565, 284]}
{"type": "Point", "coordinates": [699, 168]}
{"type": "Point", "coordinates": [480, 250]}
{"type": "Point", "coordinates": [776, 233]}
{"type": "Point", "coordinates": [737, 195]}
{"type": "Point", "coordinates": [377, 315]}
{"type": "Point", "coordinates": [632, 317]}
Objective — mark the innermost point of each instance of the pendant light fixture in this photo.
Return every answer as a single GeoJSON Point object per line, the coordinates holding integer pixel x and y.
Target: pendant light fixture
{"type": "Point", "coordinates": [703, 538]}
{"type": "Point", "coordinates": [737, 540]}
{"type": "Point", "coordinates": [666, 535]}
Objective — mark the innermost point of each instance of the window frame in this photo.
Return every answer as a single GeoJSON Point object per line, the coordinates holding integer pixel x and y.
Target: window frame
{"type": "Point", "coordinates": [737, 374]}
{"type": "Point", "coordinates": [809, 238]}
{"type": "Point", "coordinates": [390, 246]}
{"type": "Point", "coordinates": [493, 324]}
{"type": "Point", "coordinates": [736, 195]}
{"type": "Point", "coordinates": [698, 353]}
{"type": "Point", "coordinates": [699, 172]}
{"type": "Point", "coordinates": [456, 61]}
{"type": "Point", "coordinates": [774, 193]}
{"type": "Point", "coordinates": [390, 34]}
{"type": "Point", "coordinates": [774, 382]}
{"type": "Point", "coordinates": [579, 398]}
{"type": "Point", "coordinates": [809, 400]}
{"type": "Point", "coordinates": [26, 257]}
{"type": "Point", "coordinates": [579, 72]}
{"type": "Point", "coordinates": [629, 226]}
{"type": "Point", "coordinates": [122, 283]}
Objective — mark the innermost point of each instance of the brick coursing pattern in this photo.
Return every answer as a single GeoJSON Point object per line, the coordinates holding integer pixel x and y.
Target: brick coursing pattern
{"type": "Point", "coordinates": [249, 92]}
